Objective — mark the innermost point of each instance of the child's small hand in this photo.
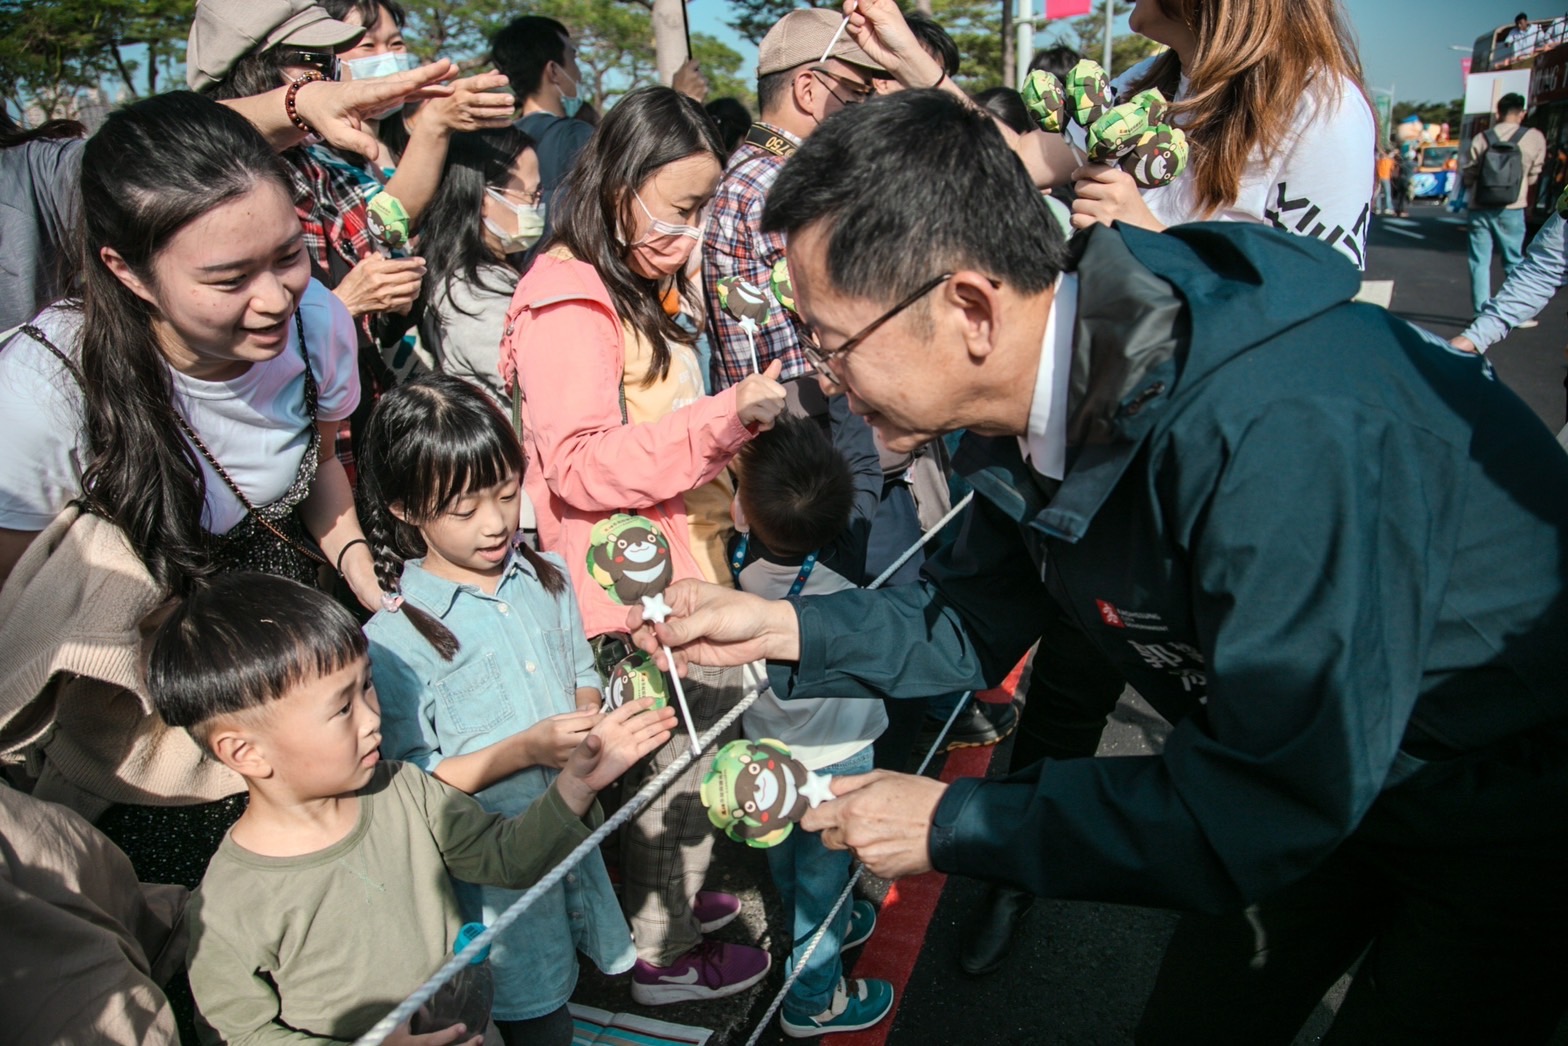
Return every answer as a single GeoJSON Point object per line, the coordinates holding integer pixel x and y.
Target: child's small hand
{"type": "Point", "coordinates": [621, 738]}
{"type": "Point", "coordinates": [455, 1034]}
{"type": "Point", "coordinates": [550, 742]}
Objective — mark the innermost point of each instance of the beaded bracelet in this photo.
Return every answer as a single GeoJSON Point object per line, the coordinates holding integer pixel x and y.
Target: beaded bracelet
{"type": "Point", "coordinates": [288, 100]}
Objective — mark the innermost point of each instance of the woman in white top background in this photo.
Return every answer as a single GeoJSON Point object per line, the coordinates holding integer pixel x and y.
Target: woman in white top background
{"type": "Point", "coordinates": [1269, 95]}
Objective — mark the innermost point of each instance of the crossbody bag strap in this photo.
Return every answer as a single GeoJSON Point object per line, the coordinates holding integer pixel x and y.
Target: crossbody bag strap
{"type": "Point", "coordinates": [228, 480]}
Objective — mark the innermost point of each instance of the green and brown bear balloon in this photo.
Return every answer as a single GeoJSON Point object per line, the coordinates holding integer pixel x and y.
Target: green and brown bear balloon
{"type": "Point", "coordinates": [629, 557]}
{"type": "Point", "coordinates": [756, 791]}
{"type": "Point", "coordinates": [1132, 135]}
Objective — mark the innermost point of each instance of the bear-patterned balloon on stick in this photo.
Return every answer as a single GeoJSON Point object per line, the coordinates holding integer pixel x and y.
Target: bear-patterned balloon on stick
{"type": "Point", "coordinates": [748, 303]}
{"type": "Point", "coordinates": [756, 791]}
{"type": "Point", "coordinates": [633, 678]}
{"type": "Point", "coordinates": [630, 557]}
{"type": "Point", "coordinates": [1133, 135]}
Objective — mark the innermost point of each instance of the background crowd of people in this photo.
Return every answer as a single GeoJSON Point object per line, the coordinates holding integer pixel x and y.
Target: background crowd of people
{"type": "Point", "coordinates": [329, 375]}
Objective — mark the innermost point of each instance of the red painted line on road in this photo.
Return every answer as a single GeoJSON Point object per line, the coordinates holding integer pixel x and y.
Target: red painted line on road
{"type": "Point", "coordinates": [911, 903]}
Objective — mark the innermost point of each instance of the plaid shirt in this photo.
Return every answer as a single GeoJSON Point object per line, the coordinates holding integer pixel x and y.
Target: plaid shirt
{"type": "Point", "coordinates": [735, 245]}
{"type": "Point", "coordinates": [331, 207]}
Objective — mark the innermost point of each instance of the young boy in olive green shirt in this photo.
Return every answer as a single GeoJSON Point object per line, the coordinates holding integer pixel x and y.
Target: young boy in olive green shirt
{"type": "Point", "coordinates": [329, 900]}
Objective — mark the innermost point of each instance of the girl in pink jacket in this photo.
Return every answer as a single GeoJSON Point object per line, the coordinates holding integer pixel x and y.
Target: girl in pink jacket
{"type": "Point", "coordinates": [615, 420]}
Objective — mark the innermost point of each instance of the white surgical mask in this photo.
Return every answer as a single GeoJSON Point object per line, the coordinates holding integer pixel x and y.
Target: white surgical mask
{"type": "Point", "coordinates": [384, 64]}
{"type": "Point", "coordinates": [528, 219]}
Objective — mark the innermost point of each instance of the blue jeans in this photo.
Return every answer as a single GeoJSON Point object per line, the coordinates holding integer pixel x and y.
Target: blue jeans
{"type": "Point", "coordinates": [1493, 225]}
{"type": "Point", "coordinates": [809, 878]}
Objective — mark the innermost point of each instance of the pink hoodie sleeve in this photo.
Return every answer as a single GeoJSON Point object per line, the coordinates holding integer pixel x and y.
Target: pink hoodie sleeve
{"type": "Point", "coordinates": [569, 356]}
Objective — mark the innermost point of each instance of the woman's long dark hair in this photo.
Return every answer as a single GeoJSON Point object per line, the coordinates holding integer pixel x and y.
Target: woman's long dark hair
{"type": "Point", "coordinates": [649, 128]}
{"type": "Point", "coordinates": [428, 443]}
{"type": "Point", "coordinates": [451, 236]}
{"type": "Point", "coordinates": [152, 169]}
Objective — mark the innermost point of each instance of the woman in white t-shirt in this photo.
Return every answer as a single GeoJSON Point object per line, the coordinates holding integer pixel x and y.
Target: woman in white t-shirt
{"type": "Point", "coordinates": [192, 394]}
{"type": "Point", "coordinates": [1269, 95]}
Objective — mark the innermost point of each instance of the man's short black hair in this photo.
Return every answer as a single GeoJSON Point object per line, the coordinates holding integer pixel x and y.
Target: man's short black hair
{"type": "Point", "coordinates": [524, 46]}
{"type": "Point", "coordinates": [771, 87]}
{"type": "Point", "coordinates": [795, 487]}
{"type": "Point", "coordinates": [1512, 102]}
{"type": "Point", "coordinates": [242, 641]}
{"type": "Point", "coordinates": [1056, 60]}
{"type": "Point", "coordinates": [935, 40]}
{"type": "Point", "coordinates": [911, 185]}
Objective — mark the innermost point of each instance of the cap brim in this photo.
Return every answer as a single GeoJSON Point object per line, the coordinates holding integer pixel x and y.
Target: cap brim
{"type": "Point", "coordinates": [849, 51]}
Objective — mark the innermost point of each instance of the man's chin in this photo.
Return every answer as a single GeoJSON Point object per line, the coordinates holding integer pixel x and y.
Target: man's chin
{"type": "Point", "coordinates": [897, 440]}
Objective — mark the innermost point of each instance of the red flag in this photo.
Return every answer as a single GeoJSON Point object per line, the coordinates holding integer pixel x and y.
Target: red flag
{"type": "Point", "coordinates": [1067, 8]}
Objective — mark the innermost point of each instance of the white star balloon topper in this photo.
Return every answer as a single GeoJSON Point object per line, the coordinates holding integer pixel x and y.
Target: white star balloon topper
{"type": "Point", "coordinates": [654, 611]}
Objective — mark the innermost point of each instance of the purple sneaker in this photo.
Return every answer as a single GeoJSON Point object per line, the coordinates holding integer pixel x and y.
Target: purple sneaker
{"type": "Point", "coordinates": [712, 970]}
{"type": "Point", "coordinates": [714, 910]}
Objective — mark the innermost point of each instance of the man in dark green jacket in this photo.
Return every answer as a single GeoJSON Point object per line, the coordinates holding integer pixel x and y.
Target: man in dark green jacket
{"type": "Point", "coordinates": [1332, 550]}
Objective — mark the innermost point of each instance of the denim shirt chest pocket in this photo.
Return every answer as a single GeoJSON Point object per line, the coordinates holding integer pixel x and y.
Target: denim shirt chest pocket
{"type": "Point", "coordinates": [469, 698]}
{"type": "Point", "coordinates": [556, 644]}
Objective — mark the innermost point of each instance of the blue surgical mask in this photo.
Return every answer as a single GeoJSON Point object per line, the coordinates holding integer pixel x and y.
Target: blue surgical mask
{"type": "Point", "coordinates": [384, 64]}
{"type": "Point", "coordinates": [570, 104]}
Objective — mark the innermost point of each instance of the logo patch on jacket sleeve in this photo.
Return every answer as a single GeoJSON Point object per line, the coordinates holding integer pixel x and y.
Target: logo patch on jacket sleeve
{"type": "Point", "coordinates": [1109, 614]}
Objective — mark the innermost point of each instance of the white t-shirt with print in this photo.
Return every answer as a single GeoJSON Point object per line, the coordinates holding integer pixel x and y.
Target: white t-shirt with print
{"type": "Point", "coordinates": [255, 425]}
{"type": "Point", "coordinates": [1317, 182]}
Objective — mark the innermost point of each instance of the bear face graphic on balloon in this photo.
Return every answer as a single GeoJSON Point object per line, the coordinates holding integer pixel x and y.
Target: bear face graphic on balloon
{"type": "Point", "coordinates": [630, 558]}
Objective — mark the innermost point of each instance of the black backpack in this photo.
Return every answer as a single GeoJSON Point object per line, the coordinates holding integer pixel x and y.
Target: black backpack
{"type": "Point", "coordinates": [1501, 173]}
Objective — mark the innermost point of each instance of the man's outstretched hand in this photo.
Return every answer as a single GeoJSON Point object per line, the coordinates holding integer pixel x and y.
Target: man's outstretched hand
{"type": "Point", "coordinates": [883, 818]}
{"type": "Point", "coordinates": [711, 625]}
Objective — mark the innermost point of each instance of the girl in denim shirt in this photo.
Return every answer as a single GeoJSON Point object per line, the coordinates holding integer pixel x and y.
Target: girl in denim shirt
{"type": "Point", "coordinates": [483, 672]}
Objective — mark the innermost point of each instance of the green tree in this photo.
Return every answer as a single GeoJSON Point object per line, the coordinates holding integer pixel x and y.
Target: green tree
{"type": "Point", "coordinates": [50, 52]}
{"type": "Point", "coordinates": [1451, 113]}
{"type": "Point", "coordinates": [722, 65]}
{"type": "Point", "coordinates": [614, 40]}
{"type": "Point", "coordinates": [976, 27]}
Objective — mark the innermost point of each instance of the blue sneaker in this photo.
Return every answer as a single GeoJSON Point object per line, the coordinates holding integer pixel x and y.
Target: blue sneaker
{"type": "Point", "coordinates": [862, 920]}
{"type": "Point", "coordinates": [856, 1005]}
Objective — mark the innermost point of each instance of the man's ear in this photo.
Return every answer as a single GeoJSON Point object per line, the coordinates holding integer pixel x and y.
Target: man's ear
{"type": "Point", "coordinates": [237, 748]}
{"type": "Point", "coordinates": [125, 274]}
{"type": "Point", "coordinates": [973, 297]}
{"type": "Point", "coordinates": [804, 87]}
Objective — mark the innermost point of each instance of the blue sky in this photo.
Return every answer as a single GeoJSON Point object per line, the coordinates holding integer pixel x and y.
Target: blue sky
{"type": "Point", "coordinates": [1404, 43]}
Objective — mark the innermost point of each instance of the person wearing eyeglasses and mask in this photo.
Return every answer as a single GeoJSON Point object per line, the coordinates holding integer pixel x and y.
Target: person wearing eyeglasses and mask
{"type": "Point", "coordinates": [615, 420]}
{"type": "Point", "coordinates": [796, 90]}
{"type": "Point", "coordinates": [481, 226]}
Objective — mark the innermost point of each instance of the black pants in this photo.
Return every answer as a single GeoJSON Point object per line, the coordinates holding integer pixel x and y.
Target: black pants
{"type": "Point", "coordinates": [1072, 689]}
{"type": "Point", "coordinates": [1455, 894]}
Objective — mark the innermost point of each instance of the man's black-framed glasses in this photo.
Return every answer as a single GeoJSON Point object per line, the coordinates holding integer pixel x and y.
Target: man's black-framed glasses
{"type": "Point", "coordinates": [822, 360]}
{"type": "Point", "coordinates": [858, 92]}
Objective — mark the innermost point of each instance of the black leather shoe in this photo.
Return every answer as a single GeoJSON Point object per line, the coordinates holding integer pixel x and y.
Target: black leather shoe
{"type": "Point", "coordinates": [992, 929]}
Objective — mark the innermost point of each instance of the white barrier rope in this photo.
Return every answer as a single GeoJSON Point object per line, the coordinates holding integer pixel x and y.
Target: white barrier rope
{"type": "Point", "coordinates": [406, 1009]}
{"type": "Point", "coordinates": [387, 1025]}
{"type": "Point", "coordinates": [860, 869]}
{"type": "Point", "coordinates": [927, 536]}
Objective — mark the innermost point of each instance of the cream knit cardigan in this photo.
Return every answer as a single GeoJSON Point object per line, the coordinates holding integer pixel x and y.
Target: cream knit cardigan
{"type": "Point", "coordinates": [75, 616]}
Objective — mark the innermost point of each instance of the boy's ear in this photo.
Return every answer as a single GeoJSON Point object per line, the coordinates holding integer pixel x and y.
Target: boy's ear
{"type": "Point", "coordinates": [396, 510]}
{"type": "Point", "coordinates": [237, 748]}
